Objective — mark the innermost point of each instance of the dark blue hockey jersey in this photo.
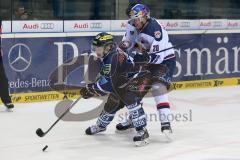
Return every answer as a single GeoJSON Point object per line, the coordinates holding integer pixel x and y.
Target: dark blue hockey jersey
{"type": "Point", "coordinates": [114, 67]}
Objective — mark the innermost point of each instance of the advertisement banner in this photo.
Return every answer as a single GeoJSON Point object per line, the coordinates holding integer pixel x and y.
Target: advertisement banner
{"type": "Point", "coordinates": [6, 26]}
{"type": "Point", "coordinates": [233, 24]}
{"type": "Point", "coordinates": [85, 25]}
{"type": "Point", "coordinates": [180, 24]}
{"type": "Point", "coordinates": [29, 62]}
{"type": "Point", "coordinates": [213, 24]}
{"type": "Point", "coordinates": [44, 96]}
{"type": "Point", "coordinates": [118, 25]}
{"type": "Point", "coordinates": [37, 26]}
{"type": "Point", "coordinates": [206, 83]}
{"type": "Point", "coordinates": [34, 26]}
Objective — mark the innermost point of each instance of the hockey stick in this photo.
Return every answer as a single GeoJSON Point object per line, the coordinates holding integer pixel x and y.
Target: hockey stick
{"type": "Point", "coordinates": [40, 132]}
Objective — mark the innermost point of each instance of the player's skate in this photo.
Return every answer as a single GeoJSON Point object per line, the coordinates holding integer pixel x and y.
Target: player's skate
{"type": "Point", "coordinates": [141, 138]}
{"type": "Point", "coordinates": [9, 106]}
{"type": "Point", "coordinates": [94, 130]}
{"type": "Point", "coordinates": [127, 124]}
{"type": "Point", "coordinates": [167, 130]}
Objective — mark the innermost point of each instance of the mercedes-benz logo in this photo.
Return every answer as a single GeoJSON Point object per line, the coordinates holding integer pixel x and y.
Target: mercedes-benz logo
{"type": "Point", "coordinates": [20, 57]}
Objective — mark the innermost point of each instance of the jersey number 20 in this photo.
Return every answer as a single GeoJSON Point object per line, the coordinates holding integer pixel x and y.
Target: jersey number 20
{"type": "Point", "coordinates": [155, 48]}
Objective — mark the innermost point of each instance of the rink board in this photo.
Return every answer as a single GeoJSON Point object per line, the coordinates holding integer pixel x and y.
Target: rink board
{"type": "Point", "coordinates": [74, 94]}
{"type": "Point", "coordinates": [212, 60]}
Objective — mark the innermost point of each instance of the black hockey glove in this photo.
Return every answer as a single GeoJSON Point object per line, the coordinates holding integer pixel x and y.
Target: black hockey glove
{"type": "Point", "coordinates": [87, 92]}
{"type": "Point", "coordinates": [141, 58]}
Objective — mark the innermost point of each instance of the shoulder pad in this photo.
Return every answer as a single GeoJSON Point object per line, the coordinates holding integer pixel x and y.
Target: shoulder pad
{"type": "Point", "coordinates": [154, 29]}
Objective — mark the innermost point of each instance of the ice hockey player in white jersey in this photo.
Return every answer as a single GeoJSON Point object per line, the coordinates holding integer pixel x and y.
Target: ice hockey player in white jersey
{"type": "Point", "coordinates": [150, 37]}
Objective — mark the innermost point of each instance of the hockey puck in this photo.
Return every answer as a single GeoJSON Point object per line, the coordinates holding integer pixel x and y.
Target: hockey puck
{"type": "Point", "coordinates": [44, 148]}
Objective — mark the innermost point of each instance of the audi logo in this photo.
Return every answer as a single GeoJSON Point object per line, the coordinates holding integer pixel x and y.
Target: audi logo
{"type": "Point", "coordinates": [185, 24]}
{"type": "Point", "coordinates": [47, 25]}
{"type": "Point", "coordinates": [96, 25]}
{"type": "Point", "coordinates": [217, 24]}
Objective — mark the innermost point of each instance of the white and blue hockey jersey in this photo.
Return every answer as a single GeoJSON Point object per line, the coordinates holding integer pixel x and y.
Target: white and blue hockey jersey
{"type": "Point", "coordinates": [153, 37]}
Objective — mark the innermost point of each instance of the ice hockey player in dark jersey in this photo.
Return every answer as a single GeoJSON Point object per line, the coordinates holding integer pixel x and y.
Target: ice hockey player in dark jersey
{"type": "Point", "coordinates": [4, 92]}
{"type": "Point", "coordinates": [150, 37]}
{"type": "Point", "coordinates": [113, 72]}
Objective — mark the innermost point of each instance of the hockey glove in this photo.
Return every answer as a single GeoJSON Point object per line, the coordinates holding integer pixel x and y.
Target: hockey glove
{"type": "Point", "coordinates": [141, 58]}
{"type": "Point", "coordinates": [124, 45]}
{"type": "Point", "coordinates": [87, 92]}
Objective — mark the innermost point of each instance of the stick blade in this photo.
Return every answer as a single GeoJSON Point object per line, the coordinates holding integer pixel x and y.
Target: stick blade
{"type": "Point", "coordinates": [39, 132]}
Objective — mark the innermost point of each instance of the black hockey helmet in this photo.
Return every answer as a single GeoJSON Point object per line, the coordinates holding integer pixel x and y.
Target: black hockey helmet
{"type": "Point", "coordinates": [102, 39]}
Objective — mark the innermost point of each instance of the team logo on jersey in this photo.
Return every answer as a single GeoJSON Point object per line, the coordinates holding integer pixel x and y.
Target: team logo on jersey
{"type": "Point", "coordinates": [106, 69]}
{"type": "Point", "coordinates": [157, 34]}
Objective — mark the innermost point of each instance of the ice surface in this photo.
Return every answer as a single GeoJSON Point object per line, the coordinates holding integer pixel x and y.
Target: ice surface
{"type": "Point", "coordinates": [212, 131]}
